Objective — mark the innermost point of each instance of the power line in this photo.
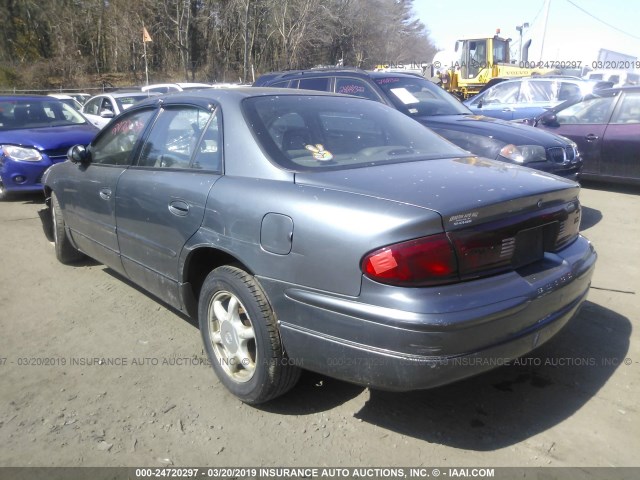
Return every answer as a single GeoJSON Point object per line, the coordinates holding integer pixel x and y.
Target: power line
{"type": "Point", "coordinates": [603, 22]}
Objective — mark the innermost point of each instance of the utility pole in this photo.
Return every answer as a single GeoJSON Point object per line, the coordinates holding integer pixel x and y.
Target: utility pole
{"type": "Point", "coordinates": [520, 29]}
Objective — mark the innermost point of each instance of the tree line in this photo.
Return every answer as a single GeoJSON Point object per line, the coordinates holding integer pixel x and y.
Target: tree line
{"type": "Point", "coordinates": [74, 43]}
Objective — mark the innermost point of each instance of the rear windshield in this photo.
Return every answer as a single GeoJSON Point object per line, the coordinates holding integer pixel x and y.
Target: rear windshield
{"type": "Point", "coordinates": [417, 97]}
{"type": "Point", "coordinates": [36, 113]}
{"type": "Point", "coordinates": [303, 133]}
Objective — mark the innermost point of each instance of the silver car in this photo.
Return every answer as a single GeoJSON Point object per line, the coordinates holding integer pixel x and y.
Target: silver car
{"type": "Point", "coordinates": [325, 232]}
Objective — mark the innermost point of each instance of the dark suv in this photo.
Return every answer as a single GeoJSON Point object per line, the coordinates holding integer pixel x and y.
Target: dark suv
{"type": "Point", "coordinates": [435, 108]}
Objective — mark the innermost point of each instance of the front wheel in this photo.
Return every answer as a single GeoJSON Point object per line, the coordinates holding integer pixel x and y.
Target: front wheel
{"type": "Point", "coordinates": [241, 337]}
{"type": "Point", "coordinates": [3, 192]}
{"type": "Point", "coordinates": [65, 251]}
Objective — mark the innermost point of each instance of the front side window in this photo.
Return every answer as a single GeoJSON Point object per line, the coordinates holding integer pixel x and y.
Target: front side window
{"type": "Point", "coordinates": [569, 90]}
{"type": "Point", "coordinates": [500, 51]}
{"type": "Point", "coordinates": [304, 133]}
{"type": "Point", "coordinates": [593, 111]}
{"type": "Point", "coordinates": [477, 58]}
{"type": "Point", "coordinates": [92, 107]}
{"type": "Point", "coordinates": [174, 137]}
{"type": "Point", "coordinates": [502, 93]}
{"type": "Point", "coordinates": [114, 146]}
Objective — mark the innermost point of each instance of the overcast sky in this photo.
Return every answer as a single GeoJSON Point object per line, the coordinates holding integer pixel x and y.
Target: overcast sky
{"type": "Point", "coordinates": [572, 33]}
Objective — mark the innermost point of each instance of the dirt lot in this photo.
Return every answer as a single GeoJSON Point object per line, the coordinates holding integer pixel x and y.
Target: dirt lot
{"type": "Point", "coordinates": [94, 371]}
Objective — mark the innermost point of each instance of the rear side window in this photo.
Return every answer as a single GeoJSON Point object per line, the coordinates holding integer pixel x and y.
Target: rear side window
{"type": "Point", "coordinates": [321, 84]}
{"type": "Point", "coordinates": [355, 86]}
{"type": "Point", "coordinates": [531, 92]}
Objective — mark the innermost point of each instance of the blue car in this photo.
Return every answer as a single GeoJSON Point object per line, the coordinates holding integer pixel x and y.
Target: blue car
{"type": "Point", "coordinates": [35, 133]}
{"type": "Point", "coordinates": [529, 97]}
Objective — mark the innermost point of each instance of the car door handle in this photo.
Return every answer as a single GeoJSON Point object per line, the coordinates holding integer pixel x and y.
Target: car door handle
{"type": "Point", "coordinates": [105, 193]}
{"type": "Point", "coordinates": [508, 109]}
{"type": "Point", "coordinates": [179, 208]}
{"type": "Point", "coordinates": [591, 137]}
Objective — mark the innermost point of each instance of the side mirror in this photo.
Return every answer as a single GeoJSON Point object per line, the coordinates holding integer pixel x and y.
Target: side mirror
{"type": "Point", "coordinates": [106, 113]}
{"type": "Point", "coordinates": [78, 154]}
{"type": "Point", "coordinates": [549, 119]}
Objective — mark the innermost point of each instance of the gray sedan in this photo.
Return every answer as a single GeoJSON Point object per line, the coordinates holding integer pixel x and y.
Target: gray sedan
{"type": "Point", "coordinates": [324, 232]}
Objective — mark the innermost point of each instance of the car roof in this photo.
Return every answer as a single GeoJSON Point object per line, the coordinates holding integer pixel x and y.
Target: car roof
{"type": "Point", "coordinates": [333, 71]}
{"type": "Point", "coordinates": [614, 90]}
{"type": "Point", "coordinates": [243, 92]}
{"type": "Point", "coordinates": [8, 98]}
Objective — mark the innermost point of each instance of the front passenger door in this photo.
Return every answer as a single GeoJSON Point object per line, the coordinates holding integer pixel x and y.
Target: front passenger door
{"type": "Point", "coordinates": [90, 193]}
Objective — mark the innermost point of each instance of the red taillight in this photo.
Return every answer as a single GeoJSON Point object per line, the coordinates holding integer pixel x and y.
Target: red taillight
{"type": "Point", "coordinates": [420, 262]}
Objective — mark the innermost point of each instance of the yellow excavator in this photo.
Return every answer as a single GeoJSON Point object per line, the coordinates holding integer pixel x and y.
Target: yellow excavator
{"type": "Point", "coordinates": [477, 62]}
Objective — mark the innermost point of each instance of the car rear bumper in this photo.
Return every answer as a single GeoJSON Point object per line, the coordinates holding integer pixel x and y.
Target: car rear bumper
{"type": "Point", "coordinates": [428, 343]}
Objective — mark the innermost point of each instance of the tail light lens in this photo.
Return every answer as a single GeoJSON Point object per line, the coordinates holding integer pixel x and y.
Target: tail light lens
{"type": "Point", "coordinates": [476, 251]}
{"type": "Point", "coordinates": [420, 262]}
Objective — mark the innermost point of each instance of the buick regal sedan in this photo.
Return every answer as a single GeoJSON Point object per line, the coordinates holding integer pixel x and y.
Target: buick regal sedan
{"type": "Point", "coordinates": [331, 233]}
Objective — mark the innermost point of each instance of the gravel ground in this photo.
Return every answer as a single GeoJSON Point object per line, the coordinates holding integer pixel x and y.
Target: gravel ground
{"type": "Point", "coordinates": [94, 372]}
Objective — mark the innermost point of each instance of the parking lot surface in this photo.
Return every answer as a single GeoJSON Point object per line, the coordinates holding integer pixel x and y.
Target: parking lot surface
{"type": "Point", "coordinates": [95, 372]}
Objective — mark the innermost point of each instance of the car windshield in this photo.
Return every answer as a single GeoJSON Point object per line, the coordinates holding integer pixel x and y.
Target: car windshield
{"type": "Point", "coordinates": [36, 113]}
{"type": "Point", "coordinates": [418, 97]}
{"type": "Point", "coordinates": [303, 133]}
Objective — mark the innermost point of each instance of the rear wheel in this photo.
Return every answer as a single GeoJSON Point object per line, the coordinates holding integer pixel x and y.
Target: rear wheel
{"type": "Point", "coordinates": [241, 337]}
{"type": "Point", "coordinates": [65, 251]}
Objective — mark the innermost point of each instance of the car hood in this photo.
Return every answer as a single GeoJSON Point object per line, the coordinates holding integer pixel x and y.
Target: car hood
{"type": "Point", "coordinates": [473, 186]}
{"type": "Point", "coordinates": [508, 132]}
{"type": "Point", "coordinates": [53, 138]}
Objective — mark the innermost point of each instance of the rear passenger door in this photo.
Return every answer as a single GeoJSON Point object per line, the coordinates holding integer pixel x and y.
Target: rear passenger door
{"type": "Point", "coordinates": [161, 199]}
{"type": "Point", "coordinates": [621, 141]}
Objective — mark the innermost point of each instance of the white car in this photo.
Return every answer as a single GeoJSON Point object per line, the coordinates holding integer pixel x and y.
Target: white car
{"type": "Point", "coordinates": [173, 87]}
{"type": "Point", "coordinates": [102, 108]}
{"type": "Point", "coordinates": [69, 100]}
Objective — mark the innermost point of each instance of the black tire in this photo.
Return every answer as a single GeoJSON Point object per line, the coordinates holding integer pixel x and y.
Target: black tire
{"type": "Point", "coordinates": [244, 346]}
{"type": "Point", "coordinates": [3, 192]}
{"type": "Point", "coordinates": [65, 251]}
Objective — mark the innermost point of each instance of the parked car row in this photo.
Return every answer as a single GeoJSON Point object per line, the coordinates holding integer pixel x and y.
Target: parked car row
{"type": "Point", "coordinates": [444, 114]}
{"type": "Point", "coordinates": [327, 232]}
